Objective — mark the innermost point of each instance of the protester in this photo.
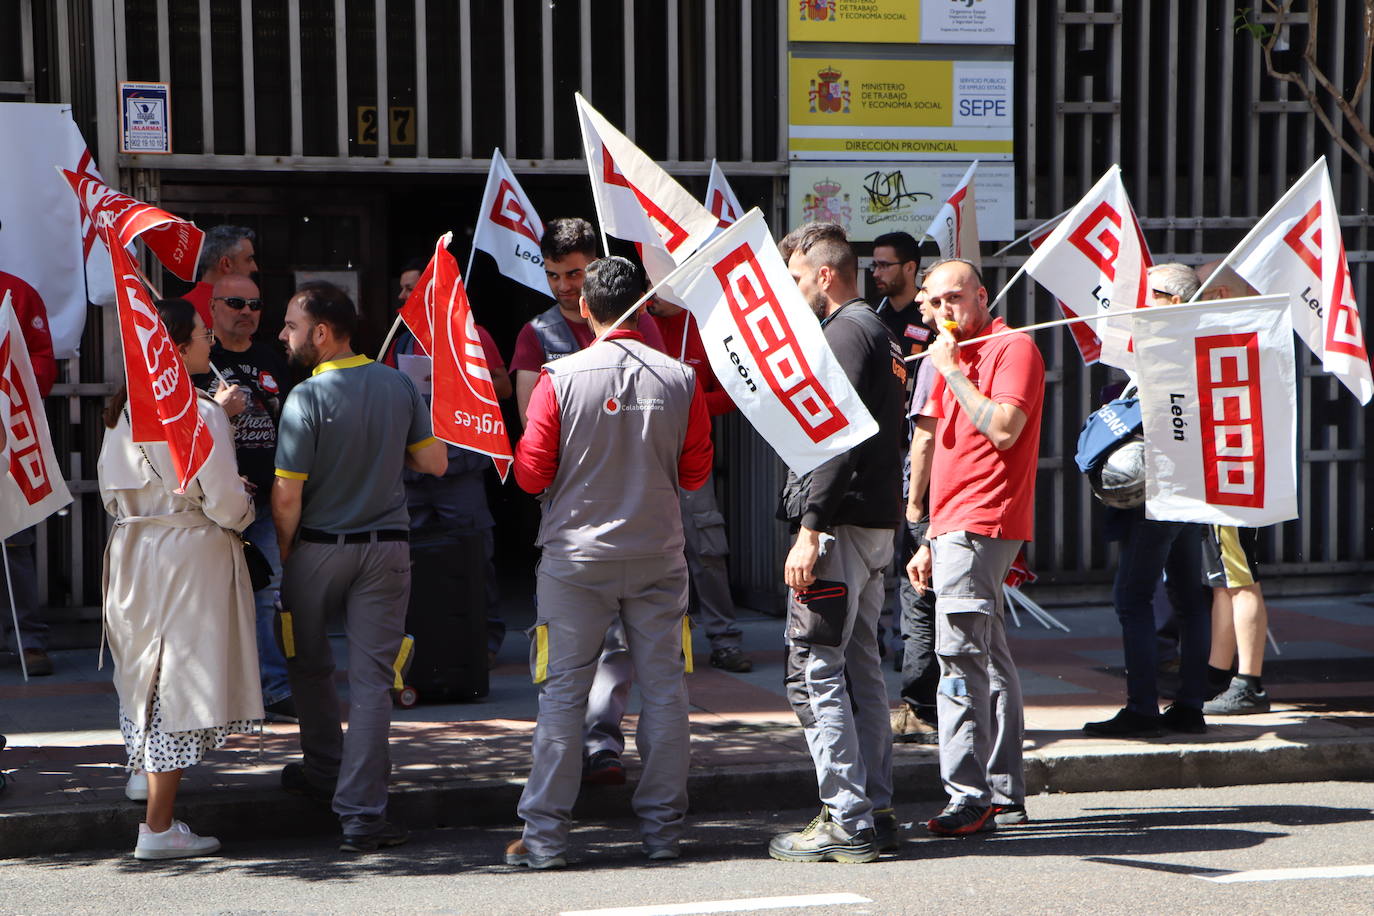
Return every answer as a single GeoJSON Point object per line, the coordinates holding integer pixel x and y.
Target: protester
{"type": "Point", "coordinates": [227, 250]}
{"type": "Point", "coordinates": [1240, 620]}
{"type": "Point", "coordinates": [703, 525]}
{"type": "Point", "coordinates": [896, 274]}
{"type": "Point", "coordinates": [255, 385]}
{"type": "Point", "coordinates": [568, 247]}
{"type": "Point", "coordinates": [455, 503]}
{"type": "Point", "coordinates": [976, 445]}
{"type": "Point", "coordinates": [178, 610]}
{"type": "Point", "coordinates": [22, 572]}
{"type": "Point", "coordinates": [343, 531]}
{"type": "Point", "coordinates": [843, 514]}
{"type": "Point", "coordinates": [613, 431]}
{"type": "Point", "coordinates": [1150, 548]}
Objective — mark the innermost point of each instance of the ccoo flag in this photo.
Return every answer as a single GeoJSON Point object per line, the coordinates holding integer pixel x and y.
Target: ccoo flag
{"type": "Point", "coordinates": [162, 400]}
{"type": "Point", "coordinates": [1096, 261]}
{"type": "Point", "coordinates": [31, 484]}
{"type": "Point", "coordinates": [955, 227]}
{"type": "Point", "coordinates": [1088, 343]}
{"type": "Point", "coordinates": [175, 241]}
{"type": "Point", "coordinates": [766, 347]}
{"type": "Point", "coordinates": [463, 408]}
{"type": "Point", "coordinates": [1297, 251]}
{"type": "Point", "coordinates": [1219, 410]}
{"type": "Point", "coordinates": [721, 199]}
{"type": "Point", "coordinates": [508, 229]}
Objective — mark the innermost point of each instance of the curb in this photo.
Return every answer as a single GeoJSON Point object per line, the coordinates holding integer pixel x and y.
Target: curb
{"type": "Point", "coordinates": [245, 814]}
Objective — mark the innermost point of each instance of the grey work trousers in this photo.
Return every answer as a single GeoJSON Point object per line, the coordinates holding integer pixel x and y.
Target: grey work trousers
{"type": "Point", "coordinates": [981, 719]}
{"type": "Point", "coordinates": [609, 696]}
{"type": "Point", "coordinates": [707, 552]}
{"type": "Point", "coordinates": [835, 678]}
{"type": "Point", "coordinates": [578, 601]}
{"type": "Point", "coordinates": [22, 576]}
{"type": "Point", "coordinates": [369, 584]}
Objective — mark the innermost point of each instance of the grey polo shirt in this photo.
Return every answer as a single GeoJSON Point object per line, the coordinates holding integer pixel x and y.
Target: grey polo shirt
{"type": "Point", "coordinates": [345, 431]}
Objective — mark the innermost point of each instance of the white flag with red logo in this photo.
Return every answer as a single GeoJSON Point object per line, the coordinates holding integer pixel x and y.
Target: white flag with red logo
{"type": "Point", "coordinates": [509, 230]}
{"type": "Point", "coordinates": [1088, 343]}
{"type": "Point", "coordinates": [464, 410]}
{"type": "Point", "coordinates": [767, 348]}
{"type": "Point", "coordinates": [1096, 261]}
{"type": "Point", "coordinates": [1297, 251]}
{"type": "Point", "coordinates": [162, 400]}
{"type": "Point", "coordinates": [43, 238]}
{"type": "Point", "coordinates": [955, 226]}
{"type": "Point", "coordinates": [31, 486]}
{"type": "Point", "coordinates": [637, 200]}
{"type": "Point", "coordinates": [1218, 401]}
{"type": "Point", "coordinates": [721, 199]}
{"type": "Point", "coordinates": [175, 241]}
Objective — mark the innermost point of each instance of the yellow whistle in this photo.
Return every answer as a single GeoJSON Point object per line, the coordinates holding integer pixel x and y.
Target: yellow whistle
{"type": "Point", "coordinates": [949, 325]}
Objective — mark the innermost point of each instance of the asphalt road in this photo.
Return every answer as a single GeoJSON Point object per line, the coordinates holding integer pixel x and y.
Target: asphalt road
{"type": "Point", "coordinates": [1162, 851]}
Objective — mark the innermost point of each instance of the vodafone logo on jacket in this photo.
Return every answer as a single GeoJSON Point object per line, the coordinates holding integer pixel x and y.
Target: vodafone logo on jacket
{"type": "Point", "coordinates": [612, 406]}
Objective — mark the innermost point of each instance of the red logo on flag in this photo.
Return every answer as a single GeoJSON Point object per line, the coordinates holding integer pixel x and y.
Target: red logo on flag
{"type": "Point", "coordinates": [763, 325]}
{"type": "Point", "coordinates": [1343, 333]}
{"type": "Point", "coordinates": [1097, 240]}
{"type": "Point", "coordinates": [1305, 238]}
{"type": "Point", "coordinates": [175, 241]}
{"type": "Point", "coordinates": [1232, 419]}
{"type": "Point", "coordinates": [672, 234]}
{"type": "Point", "coordinates": [721, 210]}
{"type": "Point", "coordinates": [29, 470]}
{"type": "Point", "coordinates": [507, 211]}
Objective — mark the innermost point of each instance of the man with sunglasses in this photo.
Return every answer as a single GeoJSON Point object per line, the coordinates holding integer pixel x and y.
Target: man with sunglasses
{"type": "Point", "coordinates": [256, 375]}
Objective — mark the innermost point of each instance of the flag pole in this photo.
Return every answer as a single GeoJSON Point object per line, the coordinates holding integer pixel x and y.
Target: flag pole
{"type": "Point", "coordinates": [1020, 272]}
{"type": "Point", "coordinates": [1226, 261]}
{"type": "Point", "coordinates": [14, 609]}
{"type": "Point", "coordinates": [1018, 240]}
{"type": "Point", "coordinates": [591, 170]}
{"type": "Point", "coordinates": [1155, 309]}
{"type": "Point", "coordinates": [395, 326]}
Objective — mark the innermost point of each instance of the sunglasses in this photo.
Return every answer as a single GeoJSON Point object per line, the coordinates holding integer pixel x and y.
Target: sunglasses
{"type": "Point", "coordinates": [238, 302]}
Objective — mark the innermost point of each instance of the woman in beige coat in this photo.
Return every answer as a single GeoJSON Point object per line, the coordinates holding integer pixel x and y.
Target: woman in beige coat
{"type": "Point", "coordinates": [178, 609]}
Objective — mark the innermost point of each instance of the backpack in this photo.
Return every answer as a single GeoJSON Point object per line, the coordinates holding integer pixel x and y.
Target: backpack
{"type": "Point", "coordinates": [1111, 451]}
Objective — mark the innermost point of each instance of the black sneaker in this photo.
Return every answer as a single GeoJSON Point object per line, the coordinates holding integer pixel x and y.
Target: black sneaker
{"type": "Point", "coordinates": [1184, 719]}
{"type": "Point", "coordinates": [284, 710]}
{"type": "Point", "coordinates": [731, 658]}
{"type": "Point", "coordinates": [1126, 724]}
{"type": "Point", "coordinates": [1010, 815]}
{"type": "Point", "coordinates": [294, 780]}
{"type": "Point", "coordinates": [823, 840]}
{"type": "Point", "coordinates": [390, 835]}
{"type": "Point", "coordinates": [1239, 699]}
{"type": "Point", "coordinates": [604, 769]}
{"type": "Point", "coordinates": [960, 819]}
{"type": "Point", "coordinates": [887, 833]}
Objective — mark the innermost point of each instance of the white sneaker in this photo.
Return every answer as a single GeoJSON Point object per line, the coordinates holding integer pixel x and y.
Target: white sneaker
{"type": "Point", "coordinates": [176, 842]}
{"type": "Point", "coordinates": [136, 789]}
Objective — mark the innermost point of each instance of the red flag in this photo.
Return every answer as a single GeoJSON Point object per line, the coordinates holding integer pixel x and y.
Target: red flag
{"type": "Point", "coordinates": [415, 313]}
{"type": "Point", "coordinates": [175, 241]}
{"type": "Point", "coordinates": [162, 400]}
{"type": "Point", "coordinates": [463, 410]}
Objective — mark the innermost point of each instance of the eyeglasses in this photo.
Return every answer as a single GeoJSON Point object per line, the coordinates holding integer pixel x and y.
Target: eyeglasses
{"type": "Point", "coordinates": [208, 335]}
{"type": "Point", "coordinates": [238, 302]}
{"type": "Point", "coordinates": [884, 265]}
{"type": "Point", "coordinates": [1161, 294]}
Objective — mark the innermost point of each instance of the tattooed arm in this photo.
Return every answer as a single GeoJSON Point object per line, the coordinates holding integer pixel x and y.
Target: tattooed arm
{"type": "Point", "coordinates": [1001, 423]}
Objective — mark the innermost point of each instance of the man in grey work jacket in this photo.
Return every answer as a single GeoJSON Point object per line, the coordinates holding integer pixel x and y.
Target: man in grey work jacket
{"type": "Point", "coordinates": [340, 511]}
{"type": "Point", "coordinates": [612, 431]}
{"type": "Point", "coordinates": [844, 512]}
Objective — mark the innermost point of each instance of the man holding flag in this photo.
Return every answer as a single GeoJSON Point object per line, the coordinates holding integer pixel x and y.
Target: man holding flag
{"type": "Point", "coordinates": [612, 432]}
{"type": "Point", "coordinates": [843, 513]}
{"type": "Point", "coordinates": [343, 530]}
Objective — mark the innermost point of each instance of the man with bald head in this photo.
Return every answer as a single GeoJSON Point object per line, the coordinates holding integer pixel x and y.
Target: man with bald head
{"type": "Point", "coordinates": [255, 371]}
{"type": "Point", "coordinates": [843, 514]}
{"type": "Point", "coordinates": [976, 443]}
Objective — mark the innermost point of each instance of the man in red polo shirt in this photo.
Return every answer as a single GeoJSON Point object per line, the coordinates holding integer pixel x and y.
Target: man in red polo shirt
{"type": "Point", "coordinates": [977, 442]}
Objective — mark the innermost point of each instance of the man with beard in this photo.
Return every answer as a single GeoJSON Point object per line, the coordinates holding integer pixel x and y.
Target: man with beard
{"type": "Point", "coordinates": [343, 530]}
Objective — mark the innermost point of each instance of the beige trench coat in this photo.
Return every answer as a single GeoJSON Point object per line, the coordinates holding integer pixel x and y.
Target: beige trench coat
{"type": "Point", "coordinates": [178, 598]}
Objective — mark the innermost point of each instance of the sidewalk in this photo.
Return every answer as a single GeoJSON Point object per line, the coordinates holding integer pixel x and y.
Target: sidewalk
{"type": "Point", "coordinates": [464, 763]}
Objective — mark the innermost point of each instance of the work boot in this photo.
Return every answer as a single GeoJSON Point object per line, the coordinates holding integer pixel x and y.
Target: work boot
{"type": "Point", "coordinates": [37, 662]}
{"type": "Point", "coordinates": [962, 819]}
{"type": "Point", "coordinates": [604, 769]}
{"type": "Point", "coordinates": [730, 658]}
{"type": "Point", "coordinates": [909, 728]}
{"type": "Point", "coordinates": [822, 840]}
{"type": "Point", "coordinates": [517, 854]}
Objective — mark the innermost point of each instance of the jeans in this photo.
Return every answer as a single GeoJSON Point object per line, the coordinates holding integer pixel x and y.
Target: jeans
{"type": "Point", "coordinates": [276, 686]}
{"type": "Point", "coordinates": [1149, 548]}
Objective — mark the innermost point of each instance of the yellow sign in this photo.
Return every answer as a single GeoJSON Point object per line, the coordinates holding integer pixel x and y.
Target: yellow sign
{"type": "Point", "coordinates": [854, 20]}
{"type": "Point", "coordinates": [847, 108]}
{"type": "Point", "coordinates": [402, 125]}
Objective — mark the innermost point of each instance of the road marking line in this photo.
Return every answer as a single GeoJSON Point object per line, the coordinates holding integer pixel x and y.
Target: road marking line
{"type": "Point", "coordinates": [1293, 874]}
{"type": "Point", "coordinates": [743, 905]}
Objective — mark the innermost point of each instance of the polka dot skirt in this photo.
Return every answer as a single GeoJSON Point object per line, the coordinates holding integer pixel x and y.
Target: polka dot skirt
{"type": "Point", "coordinates": [153, 750]}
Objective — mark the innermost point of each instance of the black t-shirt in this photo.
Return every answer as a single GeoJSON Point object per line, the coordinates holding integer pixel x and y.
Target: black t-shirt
{"type": "Point", "coordinates": [906, 326]}
{"type": "Point", "coordinates": [261, 370]}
